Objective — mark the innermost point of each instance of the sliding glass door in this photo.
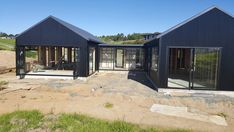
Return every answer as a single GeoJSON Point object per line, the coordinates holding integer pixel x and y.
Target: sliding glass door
{"type": "Point", "coordinates": [91, 60]}
{"type": "Point", "coordinates": [205, 68]}
{"type": "Point", "coordinates": [119, 58]}
{"type": "Point", "coordinates": [193, 68]}
{"type": "Point", "coordinates": [179, 67]}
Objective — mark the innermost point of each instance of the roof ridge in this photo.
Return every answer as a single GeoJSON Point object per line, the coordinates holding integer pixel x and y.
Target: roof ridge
{"type": "Point", "coordinates": [59, 21]}
{"type": "Point", "coordinates": [186, 21]}
{"type": "Point", "coordinates": [189, 19]}
{"type": "Point", "coordinates": [33, 26]}
{"type": "Point", "coordinates": [72, 29]}
{"type": "Point", "coordinates": [84, 34]}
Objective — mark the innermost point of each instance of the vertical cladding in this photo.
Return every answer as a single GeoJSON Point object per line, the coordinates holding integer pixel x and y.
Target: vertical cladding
{"type": "Point", "coordinates": [52, 33]}
{"type": "Point", "coordinates": [212, 29]}
{"type": "Point", "coordinates": [55, 32]}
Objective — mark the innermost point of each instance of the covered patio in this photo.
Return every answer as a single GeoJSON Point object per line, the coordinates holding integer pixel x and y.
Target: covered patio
{"type": "Point", "coordinates": [58, 46]}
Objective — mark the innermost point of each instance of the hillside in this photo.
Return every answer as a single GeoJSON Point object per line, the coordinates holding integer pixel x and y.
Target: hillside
{"type": "Point", "coordinates": [138, 41]}
{"type": "Point", "coordinates": [120, 38]}
{"type": "Point", "coordinates": [7, 44]}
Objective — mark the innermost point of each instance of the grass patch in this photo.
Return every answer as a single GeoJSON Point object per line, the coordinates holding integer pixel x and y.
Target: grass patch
{"type": "Point", "coordinates": [20, 120]}
{"type": "Point", "coordinates": [31, 54]}
{"type": "Point", "coordinates": [34, 98]}
{"type": "Point", "coordinates": [34, 120]}
{"type": "Point", "coordinates": [83, 123]}
{"type": "Point", "coordinates": [8, 41]}
{"type": "Point", "coordinates": [108, 105]}
{"type": "Point", "coordinates": [3, 83]}
{"type": "Point", "coordinates": [7, 44]}
{"type": "Point", "coordinates": [222, 115]}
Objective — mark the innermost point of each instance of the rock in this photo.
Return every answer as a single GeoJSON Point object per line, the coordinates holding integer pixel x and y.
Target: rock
{"type": "Point", "coordinates": [93, 90]}
{"type": "Point", "coordinates": [20, 122]}
{"type": "Point", "coordinates": [51, 117]}
{"type": "Point", "coordinates": [184, 113]}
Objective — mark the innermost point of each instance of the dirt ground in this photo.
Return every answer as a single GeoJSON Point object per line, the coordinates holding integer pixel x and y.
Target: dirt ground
{"type": "Point", "coordinates": [7, 59]}
{"type": "Point", "coordinates": [130, 97]}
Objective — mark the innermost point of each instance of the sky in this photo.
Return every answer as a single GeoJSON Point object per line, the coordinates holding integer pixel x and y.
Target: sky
{"type": "Point", "coordinates": [105, 17]}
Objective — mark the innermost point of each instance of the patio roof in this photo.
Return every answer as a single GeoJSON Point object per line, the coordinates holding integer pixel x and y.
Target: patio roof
{"type": "Point", "coordinates": [54, 31]}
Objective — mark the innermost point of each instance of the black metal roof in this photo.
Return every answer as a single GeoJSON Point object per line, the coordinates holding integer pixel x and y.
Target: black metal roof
{"type": "Point", "coordinates": [188, 20]}
{"type": "Point", "coordinates": [81, 32]}
{"type": "Point", "coordinates": [86, 35]}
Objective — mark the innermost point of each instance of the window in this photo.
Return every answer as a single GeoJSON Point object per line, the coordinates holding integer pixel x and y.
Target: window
{"type": "Point", "coordinates": [181, 58]}
{"type": "Point", "coordinates": [91, 60]}
{"type": "Point", "coordinates": [154, 59]}
{"type": "Point", "coordinates": [134, 58]}
{"type": "Point", "coordinates": [106, 58]}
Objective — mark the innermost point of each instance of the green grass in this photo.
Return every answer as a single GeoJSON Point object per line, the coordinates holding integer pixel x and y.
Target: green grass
{"type": "Point", "coordinates": [31, 54]}
{"type": "Point", "coordinates": [7, 44]}
{"type": "Point", "coordinates": [3, 83]}
{"type": "Point", "coordinates": [108, 105]}
{"type": "Point", "coordinates": [20, 120]}
{"type": "Point", "coordinates": [222, 114]}
{"type": "Point", "coordinates": [29, 120]}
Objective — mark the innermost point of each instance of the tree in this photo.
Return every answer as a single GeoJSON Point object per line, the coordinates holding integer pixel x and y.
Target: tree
{"type": "Point", "coordinates": [3, 34]}
{"type": "Point", "coordinates": [10, 35]}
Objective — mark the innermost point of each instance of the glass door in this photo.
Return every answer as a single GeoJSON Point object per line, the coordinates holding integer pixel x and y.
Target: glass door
{"type": "Point", "coordinates": [205, 68]}
{"type": "Point", "coordinates": [179, 68]}
{"type": "Point", "coordinates": [193, 68]}
{"type": "Point", "coordinates": [20, 61]}
{"type": "Point", "coordinates": [91, 60]}
{"type": "Point", "coordinates": [76, 62]}
{"type": "Point", "coordinates": [119, 58]}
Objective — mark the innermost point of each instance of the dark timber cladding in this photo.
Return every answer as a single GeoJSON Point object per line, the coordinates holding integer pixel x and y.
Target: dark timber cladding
{"type": "Point", "coordinates": [54, 32]}
{"type": "Point", "coordinates": [212, 28]}
{"type": "Point", "coordinates": [195, 54]}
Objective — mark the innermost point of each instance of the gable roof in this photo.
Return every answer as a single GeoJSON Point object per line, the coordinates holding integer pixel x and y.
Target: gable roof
{"type": "Point", "coordinates": [188, 20]}
{"type": "Point", "coordinates": [86, 35]}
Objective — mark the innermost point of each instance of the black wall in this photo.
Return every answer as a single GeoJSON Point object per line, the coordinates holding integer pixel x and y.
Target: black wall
{"type": "Point", "coordinates": [51, 33]}
{"type": "Point", "coordinates": [154, 75]}
{"type": "Point", "coordinates": [212, 29]}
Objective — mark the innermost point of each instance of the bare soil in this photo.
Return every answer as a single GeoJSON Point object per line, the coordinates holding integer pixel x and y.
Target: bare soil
{"type": "Point", "coordinates": [131, 100]}
{"type": "Point", "coordinates": [7, 59]}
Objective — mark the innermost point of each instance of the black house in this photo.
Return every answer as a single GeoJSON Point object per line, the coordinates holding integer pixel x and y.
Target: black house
{"type": "Point", "coordinates": [195, 54]}
{"type": "Point", "coordinates": [59, 45]}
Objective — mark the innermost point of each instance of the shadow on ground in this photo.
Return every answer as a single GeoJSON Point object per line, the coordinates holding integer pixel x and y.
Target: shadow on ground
{"type": "Point", "coordinates": [141, 77]}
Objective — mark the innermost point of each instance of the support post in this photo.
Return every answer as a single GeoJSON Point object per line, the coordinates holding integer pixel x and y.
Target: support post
{"type": "Point", "coordinates": [59, 53]}
{"type": "Point", "coordinates": [69, 55]}
{"type": "Point", "coordinates": [42, 55]}
{"type": "Point", "coordinates": [51, 56]}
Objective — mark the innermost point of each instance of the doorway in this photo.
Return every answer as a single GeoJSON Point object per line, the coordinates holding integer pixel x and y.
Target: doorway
{"type": "Point", "coordinates": [119, 58]}
{"type": "Point", "coordinates": [91, 60]}
{"type": "Point", "coordinates": [193, 68]}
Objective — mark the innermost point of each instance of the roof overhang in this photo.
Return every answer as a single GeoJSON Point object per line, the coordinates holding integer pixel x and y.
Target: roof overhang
{"type": "Point", "coordinates": [188, 20]}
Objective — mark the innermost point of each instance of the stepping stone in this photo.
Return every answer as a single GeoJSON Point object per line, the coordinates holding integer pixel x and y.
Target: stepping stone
{"type": "Point", "coordinates": [184, 113]}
